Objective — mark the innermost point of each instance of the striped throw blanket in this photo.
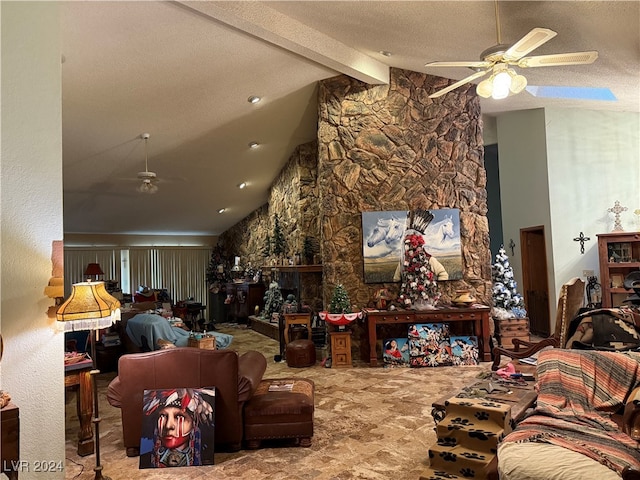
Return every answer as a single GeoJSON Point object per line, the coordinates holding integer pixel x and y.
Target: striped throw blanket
{"type": "Point", "coordinates": [578, 391]}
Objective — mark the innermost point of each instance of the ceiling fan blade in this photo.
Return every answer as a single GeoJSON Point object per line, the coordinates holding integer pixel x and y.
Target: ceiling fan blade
{"type": "Point", "coordinates": [529, 42]}
{"type": "Point", "coordinates": [459, 83]}
{"type": "Point", "coordinates": [470, 64]}
{"type": "Point", "coordinates": [574, 58]}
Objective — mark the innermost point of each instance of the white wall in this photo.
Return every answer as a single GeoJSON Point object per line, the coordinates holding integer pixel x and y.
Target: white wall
{"type": "Point", "coordinates": [594, 160]}
{"type": "Point", "coordinates": [32, 369]}
{"type": "Point", "coordinates": [563, 169]}
{"type": "Point", "coordinates": [524, 189]}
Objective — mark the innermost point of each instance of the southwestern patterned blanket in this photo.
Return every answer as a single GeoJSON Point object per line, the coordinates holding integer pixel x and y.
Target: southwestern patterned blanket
{"type": "Point", "coordinates": [578, 391]}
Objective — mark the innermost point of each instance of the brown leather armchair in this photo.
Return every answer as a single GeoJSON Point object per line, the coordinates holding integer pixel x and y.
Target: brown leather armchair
{"type": "Point", "coordinates": [235, 377]}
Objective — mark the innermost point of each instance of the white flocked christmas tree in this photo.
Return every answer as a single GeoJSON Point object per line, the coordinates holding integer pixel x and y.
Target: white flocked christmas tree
{"type": "Point", "coordinates": [507, 302]}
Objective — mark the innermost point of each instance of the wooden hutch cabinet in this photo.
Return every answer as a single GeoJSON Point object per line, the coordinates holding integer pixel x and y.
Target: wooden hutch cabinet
{"type": "Point", "coordinates": [619, 254]}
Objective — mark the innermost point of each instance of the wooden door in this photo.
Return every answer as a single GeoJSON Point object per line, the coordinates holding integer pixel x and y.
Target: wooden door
{"type": "Point", "coordinates": [534, 278]}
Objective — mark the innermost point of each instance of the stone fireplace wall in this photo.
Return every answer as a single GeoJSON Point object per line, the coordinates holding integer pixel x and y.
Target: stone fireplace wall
{"type": "Point", "coordinates": [294, 198]}
{"type": "Point", "coordinates": [390, 147]}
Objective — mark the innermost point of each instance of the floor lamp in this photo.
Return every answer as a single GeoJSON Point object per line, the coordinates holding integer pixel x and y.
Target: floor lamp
{"type": "Point", "coordinates": [90, 307]}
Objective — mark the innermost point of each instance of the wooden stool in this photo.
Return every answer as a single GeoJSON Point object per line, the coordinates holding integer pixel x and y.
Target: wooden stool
{"type": "Point", "coordinates": [292, 319]}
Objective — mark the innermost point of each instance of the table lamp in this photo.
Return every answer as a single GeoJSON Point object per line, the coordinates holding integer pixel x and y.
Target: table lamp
{"type": "Point", "coordinates": [90, 307]}
{"type": "Point", "coordinates": [93, 270]}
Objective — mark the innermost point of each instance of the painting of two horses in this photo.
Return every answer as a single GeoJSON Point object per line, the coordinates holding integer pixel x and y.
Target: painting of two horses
{"type": "Point", "coordinates": [383, 237]}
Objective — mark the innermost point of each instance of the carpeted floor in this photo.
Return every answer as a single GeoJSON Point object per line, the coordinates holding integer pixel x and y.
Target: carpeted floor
{"type": "Point", "coordinates": [370, 423]}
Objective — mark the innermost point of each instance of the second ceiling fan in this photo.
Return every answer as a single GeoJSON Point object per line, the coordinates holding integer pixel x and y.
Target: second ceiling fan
{"type": "Point", "coordinates": [499, 60]}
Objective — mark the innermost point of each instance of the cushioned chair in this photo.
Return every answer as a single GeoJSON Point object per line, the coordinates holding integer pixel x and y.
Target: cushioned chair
{"type": "Point", "coordinates": [569, 303]}
{"type": "Point", "coordinates": [234, 376]}
{"type": "Point", "coordinates": [585, 423]}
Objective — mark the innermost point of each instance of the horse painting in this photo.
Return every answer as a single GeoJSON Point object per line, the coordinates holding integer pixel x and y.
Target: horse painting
{"type": "Point", "coordinates": [382, 235]}
{"type": "Point", "coordinates": [382, 243]}
{"type": "Point", "coordinates": [441, 236]}
{"type": "Point", "coordinates": [390, 230]}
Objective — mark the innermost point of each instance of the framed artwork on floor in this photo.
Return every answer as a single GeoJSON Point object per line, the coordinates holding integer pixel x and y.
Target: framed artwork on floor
{"type": "Point", "coordinates": [395, 352]}
{"type": "Point", "coordinates": [429, 345]}
{"type": "Point", "coordinates": [178, 427]}
{"type": "Point", "coordinates": [464, 350]}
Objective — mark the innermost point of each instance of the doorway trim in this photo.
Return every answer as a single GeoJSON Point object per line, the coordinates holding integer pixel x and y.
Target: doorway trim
{"type": "Point", "coordinates": [535, 279]}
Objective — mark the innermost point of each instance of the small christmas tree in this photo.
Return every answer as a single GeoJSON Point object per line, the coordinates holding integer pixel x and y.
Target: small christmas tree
{"type": "Point", "coordinates": [340, 302]}
{"type": "Point", "coordinates": [278, 242]}
{"type": "Point", "coordinates": [506, 299]}
{"type": "Point", "coordinates": [273, 300]}
{"type": "Point", "coordinates": [266, 250]}
{"type": "Point", "coordinates": [308, 249]}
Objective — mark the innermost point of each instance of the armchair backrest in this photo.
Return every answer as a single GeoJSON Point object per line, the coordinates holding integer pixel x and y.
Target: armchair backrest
{"type": "Point", "coordinates": [569, 303]}
{"type": "Point", "coordinates": [175, 368]}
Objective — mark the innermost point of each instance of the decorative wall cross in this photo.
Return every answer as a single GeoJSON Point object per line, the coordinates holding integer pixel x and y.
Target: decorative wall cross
{"type": "Point", "coordinates": [581, 239]}
{"type": "Point", "coordinates": [617, 209]}
{"type": "Point", "coordinates": [511, 245]}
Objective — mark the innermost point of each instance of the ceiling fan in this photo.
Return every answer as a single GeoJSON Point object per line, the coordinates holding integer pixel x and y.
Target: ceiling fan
{"type": "Point", "coordinates": [148, 178]}
{"type": "Point", "coordinates": [499, 60]}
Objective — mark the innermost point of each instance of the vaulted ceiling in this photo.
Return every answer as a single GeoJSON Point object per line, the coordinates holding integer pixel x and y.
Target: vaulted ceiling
{"type": "Point", "coordinates": [183, 72]}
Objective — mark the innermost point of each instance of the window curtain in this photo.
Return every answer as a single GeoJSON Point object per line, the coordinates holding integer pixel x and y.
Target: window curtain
{"type": "Point", "coordinates": [77, 259]}
{"type": "Point", "coordinates": [182, 271]}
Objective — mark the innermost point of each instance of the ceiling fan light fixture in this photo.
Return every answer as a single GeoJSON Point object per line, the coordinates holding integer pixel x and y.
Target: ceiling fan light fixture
{"type": "Point", "coordinates": [518, 83]}
{"type": "Point", "coordinates": [501, 85]}
{"type": "Point", "coordinates": [485, 87]}
{"type": "Point", "coordinates": [147, 187]}
{"type": "Point", "coordinates": [147, 177]}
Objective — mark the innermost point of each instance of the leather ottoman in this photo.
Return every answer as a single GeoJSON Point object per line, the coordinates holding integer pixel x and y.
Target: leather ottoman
{"type": "Point", "coordinates": [280, 409]}
{"type": "Point", "coordinates": [301, 353]}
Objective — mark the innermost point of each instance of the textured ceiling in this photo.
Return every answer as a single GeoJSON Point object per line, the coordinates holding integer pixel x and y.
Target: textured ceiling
{"type": "Point", "coordinates": [182, 71]}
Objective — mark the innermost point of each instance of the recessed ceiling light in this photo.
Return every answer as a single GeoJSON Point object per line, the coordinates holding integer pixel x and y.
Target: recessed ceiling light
{"type": "Point", "coordinates": [253, 99]}
{"type": "Point", "coordinates": [384, 53]}
{"type": "Point", "coordinates": [222, 210]}
{"type": "Point", "coordinates": [242, 185]}
{"type": "Point", "coordinates": [254, 144]}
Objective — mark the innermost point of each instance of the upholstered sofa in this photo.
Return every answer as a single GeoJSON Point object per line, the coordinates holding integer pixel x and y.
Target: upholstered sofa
{"type": "Point", "coordinates": [586, 422]}
{"type": "Point", "coordinates": [121, 326]}
{"type": "Point", "coordinates": [234, 376]}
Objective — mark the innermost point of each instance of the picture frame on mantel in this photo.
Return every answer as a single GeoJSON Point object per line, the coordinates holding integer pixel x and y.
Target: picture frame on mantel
{"type": "Point", "coordinates": [383, 236]}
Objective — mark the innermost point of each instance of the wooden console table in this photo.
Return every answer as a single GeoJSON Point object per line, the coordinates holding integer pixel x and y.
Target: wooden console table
{"type": "Point", "coordinates": [479, 316]}
{"type": "Point", "coordinates": [10, 448]}
{"type": "Point", "coordinates": [80, 374]}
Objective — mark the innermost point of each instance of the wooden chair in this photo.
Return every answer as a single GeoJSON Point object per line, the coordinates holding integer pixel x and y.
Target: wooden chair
{"type": "Point", "coordinates": [570, 301]}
